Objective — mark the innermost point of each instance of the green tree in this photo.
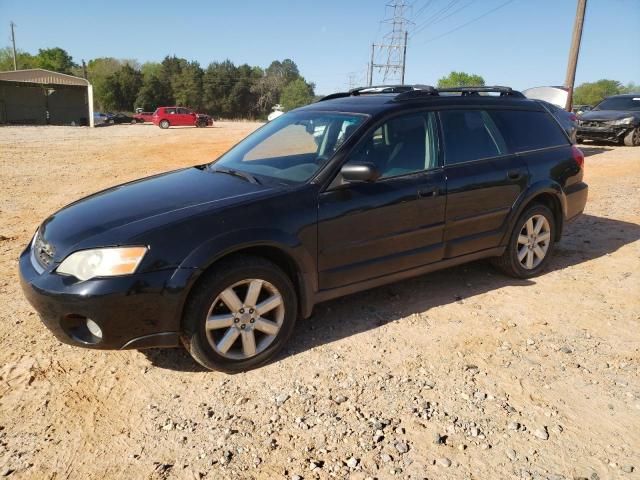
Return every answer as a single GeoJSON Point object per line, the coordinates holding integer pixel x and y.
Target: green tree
{"type": "Point", "coordinates": [155, 92]}
{"type": "Point", "coordinates": [296, 94]}
{"type": "Point", "coordinates": [187, 85]}
{"type": "Point", "coordinates": [98, 70]}
{"type": "Point", "coordinates": [631, 87]}
{"type": "Point", "coordinates": [55, 59]}
{"type": "Point", "coordinates": [460, 79]}
{"type": "Point", "coordinates": [121, 89]}
{"type": "Point", "coordinates": [24, 60]}
{"type": "Point", "coordinates": [590, 93]}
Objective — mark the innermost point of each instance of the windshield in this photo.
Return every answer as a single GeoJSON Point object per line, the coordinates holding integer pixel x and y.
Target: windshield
{"type": "Point", "coordinates": [619, 103]}
{"type": "Point", "coordinates": [292, 147]}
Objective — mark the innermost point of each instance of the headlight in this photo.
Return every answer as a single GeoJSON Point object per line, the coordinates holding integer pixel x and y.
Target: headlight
{"type": "Point", "coordinates": [102, 262]}
{"type": "Point", "coordinates": [622, 121]}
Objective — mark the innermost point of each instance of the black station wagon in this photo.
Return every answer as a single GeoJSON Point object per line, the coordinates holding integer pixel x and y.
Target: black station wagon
{"type": "Point", "coordinates": [357, 190]}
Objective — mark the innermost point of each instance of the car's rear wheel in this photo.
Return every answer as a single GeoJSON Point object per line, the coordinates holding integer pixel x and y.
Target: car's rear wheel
{"type": "Point", "coordinates": [134, 121]}
{"type": "Point", "coordinates": [632, 139]}
{"type": "Point", "coordinates": [240, 315]}
{"type": "Point", "coordinates": [530, 244]}
{"type": "Point", "coordinates": [164, 124]}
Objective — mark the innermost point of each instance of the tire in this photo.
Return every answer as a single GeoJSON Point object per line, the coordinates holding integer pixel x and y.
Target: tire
{"type": "Point", "coordinates": [632, 139]}
{"type": "Point", "coordinates": [134, 121]}
{"type": "Point", "coordinates": [164, 124]}
{"type": "Point", "coordinates": [231, 326]}
{"type": "Point", "coordinates": [510, 263]}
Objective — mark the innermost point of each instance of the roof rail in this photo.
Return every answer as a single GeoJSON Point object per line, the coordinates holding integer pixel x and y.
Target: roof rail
{"type": "Point", "coordinates": [410, 92]}
{"type": "Point", "coordinates": [403, 91]}
{"type": "Point", "coordinates": [466, 91]}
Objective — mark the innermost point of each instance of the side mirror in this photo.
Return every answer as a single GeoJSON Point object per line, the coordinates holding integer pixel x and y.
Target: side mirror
{"type": "Point", "coordinates": [360, 172]}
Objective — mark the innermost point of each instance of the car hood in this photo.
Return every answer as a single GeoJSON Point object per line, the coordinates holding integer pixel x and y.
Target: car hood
{"type": "Point", "coordinates": [606, 115]}
{"type": "Point", "coordinates": [174, 194]}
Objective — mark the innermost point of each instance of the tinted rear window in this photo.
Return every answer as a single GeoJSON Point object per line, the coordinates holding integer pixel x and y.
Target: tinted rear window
{"type": "Point", "coordinates": [470, 135]}
{"type": "Point", "coordinates": [524, 130]}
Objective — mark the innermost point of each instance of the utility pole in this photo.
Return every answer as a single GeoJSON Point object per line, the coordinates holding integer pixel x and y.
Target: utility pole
{"type": "Point", "coordinates": [575, 50]}
{"type": "Point", "coordinates": [13, 41]}
{"type": "Point", "coordinates": [394, 44]}
{"type": "Point", "coordinates": [84, 69]}
{"type": "Point", "coordinates": [370, 75]}
{"type": "Point", "coordinates": [404, 55]}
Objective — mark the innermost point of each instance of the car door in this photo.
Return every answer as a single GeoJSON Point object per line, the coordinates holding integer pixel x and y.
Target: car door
{"type": "Point", "coordinates": [184, 117]}
{"type": "Point", "coordinates": [483, 181]}
{"type": "Point", "coordinates": [372, 229]}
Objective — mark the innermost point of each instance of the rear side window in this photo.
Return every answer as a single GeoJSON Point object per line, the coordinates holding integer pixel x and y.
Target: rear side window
{"type": "Point", "coordinates": [524, 130]}
{"type": "Point", "coordinates": [470, 135]}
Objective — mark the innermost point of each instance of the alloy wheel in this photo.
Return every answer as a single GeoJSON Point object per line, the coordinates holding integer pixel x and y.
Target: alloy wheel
{"type": "Point", "coordinates": [241, 329]}
{"type": "Point", "coordinates": [533, 241]}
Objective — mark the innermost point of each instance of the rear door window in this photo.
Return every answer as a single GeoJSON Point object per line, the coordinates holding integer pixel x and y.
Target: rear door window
{"type": "Point", "coordinates": [525, 130]}
{"type": "Point", "coordinates": [470, 135]}
{"type": "Point", "coordinates": [170, 111]}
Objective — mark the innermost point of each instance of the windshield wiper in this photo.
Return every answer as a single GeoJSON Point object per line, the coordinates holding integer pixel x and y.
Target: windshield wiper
{"type": "Point", "coordinates": [236, 173]}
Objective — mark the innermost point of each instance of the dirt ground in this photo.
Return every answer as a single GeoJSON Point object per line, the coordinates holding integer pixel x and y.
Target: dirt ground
{"type": "Point", "coordinates": [463, 373]}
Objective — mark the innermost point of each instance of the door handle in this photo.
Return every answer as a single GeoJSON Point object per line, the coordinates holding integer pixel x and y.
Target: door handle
{"type": "Point", "coordinates": [514, 174]}
{"type": "Point", "coordinates": [429, 192]}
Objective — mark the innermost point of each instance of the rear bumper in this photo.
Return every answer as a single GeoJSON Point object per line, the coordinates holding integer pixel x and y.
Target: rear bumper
{"type": "Point", "coordinates": [134, 311]}
{"type": "Point", "coordinates": [576, 195]}
{"type": "Point", "coordinates": [605, 132]}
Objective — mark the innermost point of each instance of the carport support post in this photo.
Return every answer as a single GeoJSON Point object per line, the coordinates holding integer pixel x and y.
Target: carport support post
{"type": "Point", "coordinates": [573, 53]}
{"type": "Point", "coordinates": [90, 104]}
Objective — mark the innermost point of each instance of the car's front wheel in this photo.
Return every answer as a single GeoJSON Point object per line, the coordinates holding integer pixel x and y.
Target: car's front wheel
{"type": "Point", "coordinates": [632, 139]}
{"type": "Point", "coordinates": [164, 124]}
{"type": "Point", "coordinates": [240, 315]}
{"type": "Point", "coordinates": [530, 244]}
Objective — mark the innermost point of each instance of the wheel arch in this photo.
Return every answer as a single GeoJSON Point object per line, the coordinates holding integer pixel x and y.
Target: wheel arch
{"type": "Point", "coordinates": [284, 256]}
{"type": "Point", "coordinates": [547, 194]}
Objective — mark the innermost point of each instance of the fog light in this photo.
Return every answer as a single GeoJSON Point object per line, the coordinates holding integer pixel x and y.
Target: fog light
{"type": "Point", "coordinates": [94, 328]}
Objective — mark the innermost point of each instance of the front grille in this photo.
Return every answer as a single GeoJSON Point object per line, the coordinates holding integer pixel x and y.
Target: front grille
{"type": "Point", "coordinates": [43, 251]}
{"type": "Point", "coordinates": [593, 124]}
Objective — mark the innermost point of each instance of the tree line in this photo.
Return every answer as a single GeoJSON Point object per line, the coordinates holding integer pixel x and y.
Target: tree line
{"type": "Point", "coordinates": [222, 89]}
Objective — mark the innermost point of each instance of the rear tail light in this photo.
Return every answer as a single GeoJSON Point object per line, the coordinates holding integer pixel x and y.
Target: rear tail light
{"type": "Point", "coordinates": [572, 117]}
{"type": "Point", "coordinates": [578, 156]}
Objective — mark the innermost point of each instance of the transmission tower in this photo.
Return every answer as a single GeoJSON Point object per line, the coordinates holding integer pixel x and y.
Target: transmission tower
{"type": "Point", "coordinates": [394, 45]}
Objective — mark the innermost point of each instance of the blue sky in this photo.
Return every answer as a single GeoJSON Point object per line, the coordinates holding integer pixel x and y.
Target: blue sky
{"type": "Point", "coordinates": [523, 44]}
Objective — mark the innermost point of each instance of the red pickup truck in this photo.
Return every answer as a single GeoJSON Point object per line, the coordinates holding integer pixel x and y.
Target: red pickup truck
{"type": "Point", "coordinates": [166, 117]}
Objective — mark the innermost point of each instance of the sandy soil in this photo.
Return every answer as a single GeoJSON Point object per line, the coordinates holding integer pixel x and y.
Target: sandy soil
{"type": "Point", "coordinates": [463, 373]}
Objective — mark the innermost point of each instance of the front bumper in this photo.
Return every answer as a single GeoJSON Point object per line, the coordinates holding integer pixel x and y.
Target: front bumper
{"type": "Point", "coordinates": [607, 133]}
{"type": "Point", "coordinates": [133, 311]}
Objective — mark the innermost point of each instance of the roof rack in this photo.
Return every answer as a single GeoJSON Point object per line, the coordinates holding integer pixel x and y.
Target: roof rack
{"type": "Point", "coordinates": [403, 91]}
{"type": "Point", "coordinates": [469, 91]}
{"type": "Point", "coordinates": [410, 92]}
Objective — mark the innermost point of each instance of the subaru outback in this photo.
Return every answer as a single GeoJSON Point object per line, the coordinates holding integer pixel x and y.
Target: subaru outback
{"type": "Point", "coordinates": [357, 190]}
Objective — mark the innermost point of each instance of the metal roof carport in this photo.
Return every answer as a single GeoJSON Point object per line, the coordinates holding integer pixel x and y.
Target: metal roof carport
{"type": "Point", "coordinates": [43, 97]}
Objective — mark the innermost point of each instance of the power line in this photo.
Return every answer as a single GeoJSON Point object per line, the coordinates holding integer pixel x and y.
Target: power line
{"type": "Point", "coordinates": [469, 22]}
{"type": "Point", "coordinates": [417, 30]}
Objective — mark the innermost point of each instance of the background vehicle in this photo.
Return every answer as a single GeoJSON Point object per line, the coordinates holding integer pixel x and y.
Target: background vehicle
{"type": "Point", "coordinates": [100, 118]}
{"type": "Point", "coordinates": [277, 111]}
{"type": "Point", "coordinates": [568, 120]}
{"type": "Point", "coordinates": [166, 117]}
{"type": "Point", "coordinates": [579, 109]}
{"type": "Point", "coordinates": [142, 117]}
{"type": "Point", "coordinates": [614, 119]}
{"type": "Point", "coordinates": [352, 192]}
{"type": "Point", "coordinates": [119, 118]}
